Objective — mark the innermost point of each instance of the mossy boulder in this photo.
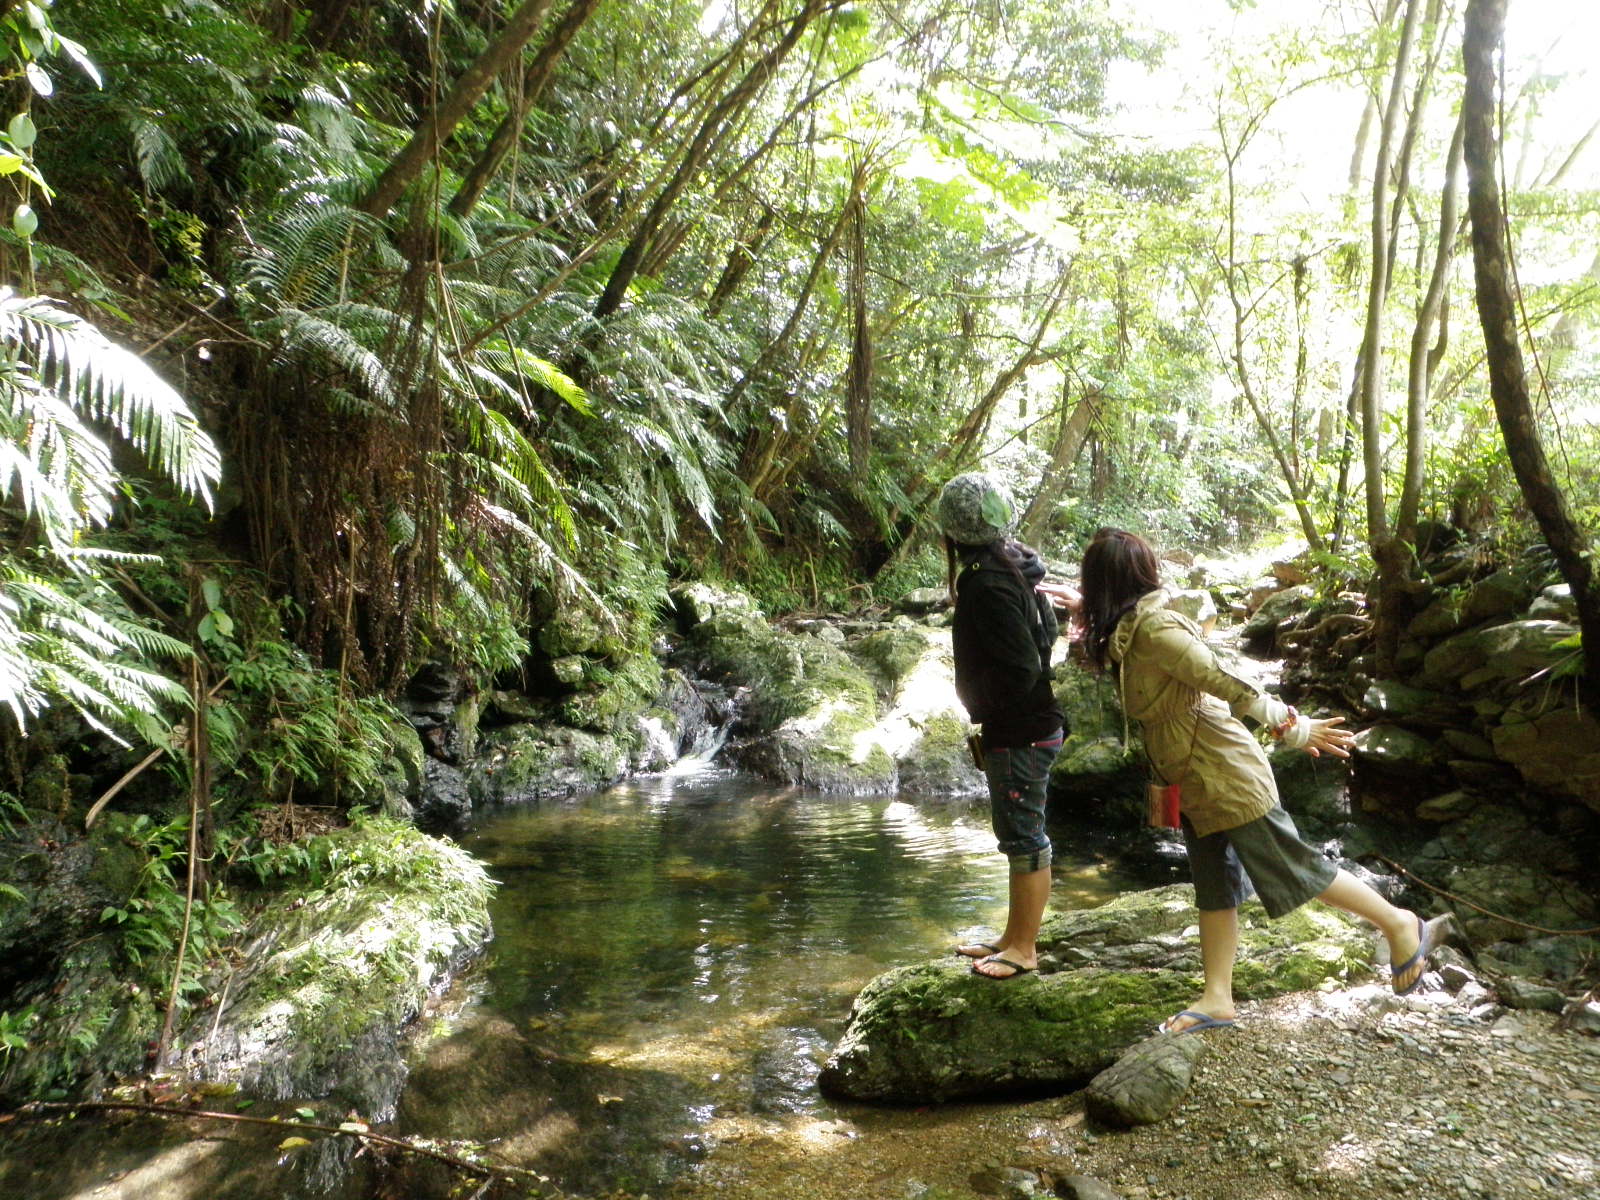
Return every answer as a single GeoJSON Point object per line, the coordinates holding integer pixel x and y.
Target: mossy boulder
{"type": "Point", "coordinates": [1261, 629]}
{"type": "Point", "coordinates": [889, 655]}
{"type": "Point", "coordinates": [334, 976]}
{"type": "Point", "coordinates": [1314, 791]}
{"type": "Point", "coordinates": [398, 785]}
{"type": "Point", "coordinates": [1396, 752]}
{"type": "Point", "coordinates": [520, 763]}
{"type": "Point", "coordinates": [810, 713]}
{"type": "Point", "coordinates": [89, 1026]}
{"type": "Point", "coordinates": [1496, 654]}
{"type": "Point", "coordinates": [1108, 976]}
{"type": "Point", "coordinates": [938, 763]}
{"type": "Point", "coordinates": [1095, 760]}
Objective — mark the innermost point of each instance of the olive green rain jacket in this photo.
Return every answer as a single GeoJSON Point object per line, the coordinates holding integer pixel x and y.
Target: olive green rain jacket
{"type": "Point", "coordinates": [1188, 709]}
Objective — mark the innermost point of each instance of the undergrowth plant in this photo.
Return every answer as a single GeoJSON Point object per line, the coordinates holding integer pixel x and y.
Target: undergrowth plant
{"type": "Point", "coordinates": [150, 918]}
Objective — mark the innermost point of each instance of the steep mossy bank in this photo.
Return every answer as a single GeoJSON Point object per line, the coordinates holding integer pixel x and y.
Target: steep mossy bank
{"type": "Point", "coordinates": [307, 998]}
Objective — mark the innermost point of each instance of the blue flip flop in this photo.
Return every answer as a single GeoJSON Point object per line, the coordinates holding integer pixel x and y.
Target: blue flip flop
{"type": "Point", "coordinates": [1201, 1021]}
{"type": "Point", "coordinates": [1424, 948]}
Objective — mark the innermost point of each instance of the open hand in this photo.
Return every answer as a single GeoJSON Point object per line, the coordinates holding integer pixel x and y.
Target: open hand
{"type": "Point", "coordinates": [1327, 738]}
{"type": "Point", "coordinates": [1062, 595]}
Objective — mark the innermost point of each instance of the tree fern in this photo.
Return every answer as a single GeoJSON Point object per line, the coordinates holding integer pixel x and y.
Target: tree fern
{"type": "Point", "coordinates": [58, 375]}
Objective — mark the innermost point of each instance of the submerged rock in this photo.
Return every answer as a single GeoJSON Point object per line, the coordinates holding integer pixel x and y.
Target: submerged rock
{"type": "Point", "coordinates": [937, 1031]}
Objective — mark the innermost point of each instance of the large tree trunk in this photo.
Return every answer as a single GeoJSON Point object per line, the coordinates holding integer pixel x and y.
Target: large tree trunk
{"type": "Point", "coordinates": [1508, 383]}
{"type": "Point", "coordinates": [534, 79]}
{"type": "Point", "coordinates": [1390, 556]}
{"type": "Point", "coordinates": [441, 122]}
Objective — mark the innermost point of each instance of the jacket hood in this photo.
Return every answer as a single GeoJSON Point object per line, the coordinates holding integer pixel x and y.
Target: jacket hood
{"type": "Point", "coordinates": [1122, 635]}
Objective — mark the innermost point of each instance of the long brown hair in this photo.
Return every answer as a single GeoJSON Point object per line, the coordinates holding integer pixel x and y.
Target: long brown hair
{"type": "Point", "coordinates": [1118, 568]}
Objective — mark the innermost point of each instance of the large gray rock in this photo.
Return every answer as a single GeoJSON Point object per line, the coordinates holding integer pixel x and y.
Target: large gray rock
{"type": "Point", "coordinates": [1555, 603]}
{"type": "Point", "coordinates": [1496, 654]}
{"type": "Point", "coordinates": [1314, 791]}
{"type": "Point", "coordinates": [938, 1031]}
{"type": "Point", "coordinates": [1393, 701]}
{"type": "Point", "coordinates": [520, 763]}
{"type": "Point", "coordinates": [1395, 751]}
{"type": "Point", "coordinates": [1274, 610]}
{"type": "Point", "coordinates": [1197, 605]}
{"type": "Point", "coordinates": [1555, 748]}
{"type": "Point", "coordinates": [1147, 1082]}
{"type": "Point", "coordinates": [1498, 595]}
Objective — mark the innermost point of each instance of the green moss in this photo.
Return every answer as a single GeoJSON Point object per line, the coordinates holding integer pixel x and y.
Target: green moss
{"type": "Point", "coordinates": [934, 1031]}
{"type": "Point", "coordinates": [355, 957]}
{"type": "Point", "coordinates": [889, 655]}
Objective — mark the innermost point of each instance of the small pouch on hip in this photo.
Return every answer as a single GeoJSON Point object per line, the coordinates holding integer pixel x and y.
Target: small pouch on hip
{"type": "Point", "coordinates": [975, 747]}
{"type": "Point", "coordinates": [1163, 805]}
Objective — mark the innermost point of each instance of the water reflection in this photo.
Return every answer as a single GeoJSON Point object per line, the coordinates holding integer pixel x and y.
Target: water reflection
{"type": "Point", "coordinates": [686, 947]}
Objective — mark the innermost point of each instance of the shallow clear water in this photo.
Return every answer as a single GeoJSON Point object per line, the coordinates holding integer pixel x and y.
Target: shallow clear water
{"type": "Point", "coordinates": [686, 947]}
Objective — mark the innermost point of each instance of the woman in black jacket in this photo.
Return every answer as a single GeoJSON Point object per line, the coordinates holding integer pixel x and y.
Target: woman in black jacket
{"type": "Point", "coordinates": [1003, 636]}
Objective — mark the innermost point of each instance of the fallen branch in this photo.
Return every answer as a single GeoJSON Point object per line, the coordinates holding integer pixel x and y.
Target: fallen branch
{"type": "Point", "coordinates": [350, 1130]}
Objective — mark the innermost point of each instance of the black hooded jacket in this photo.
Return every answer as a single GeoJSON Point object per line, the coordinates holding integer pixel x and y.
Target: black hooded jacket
{"type": "Point", "coordinates": [1003, 635]}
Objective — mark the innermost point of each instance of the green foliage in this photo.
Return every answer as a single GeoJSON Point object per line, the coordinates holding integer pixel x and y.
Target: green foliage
{"type": "Point", "coordinates": [150, 920]}
{"type": "Point", "coordinates": [14, 1030]}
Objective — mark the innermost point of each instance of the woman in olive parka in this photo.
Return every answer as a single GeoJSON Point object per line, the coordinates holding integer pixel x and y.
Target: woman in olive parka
{"type": "Point", "coordinates": [1236, 833]}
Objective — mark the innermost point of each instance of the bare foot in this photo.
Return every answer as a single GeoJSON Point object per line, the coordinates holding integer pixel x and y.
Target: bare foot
{"type": "Point", "coordinates": [1408, 956]}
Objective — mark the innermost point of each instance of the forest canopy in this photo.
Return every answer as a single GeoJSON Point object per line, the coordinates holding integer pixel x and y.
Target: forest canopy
{"type": "Point", "coordinates": [478, 310]}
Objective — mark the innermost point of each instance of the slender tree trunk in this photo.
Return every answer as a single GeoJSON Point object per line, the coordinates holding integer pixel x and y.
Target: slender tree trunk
{"type": "Point", "coordinates": [858, 381]}
{"type": "Point", "coordinates": [740, 259]}
{"type": "Point", "coordinates": [1389, 554]}
{"type": "Point", "coordinates": [1497, 311]}
{"type": "Point", "coordinates": [710, 131]}
{"type": "Point", "coordinates": [1071, 434]}
{"type": "Point", "coordinates": [1378, 289]}
{"type": "Point", "coordinates": [441, 122]}
{"type": "Point", "coordinates": [540, 70]}
{"type": "Point", "coordinates": [1423, 359]}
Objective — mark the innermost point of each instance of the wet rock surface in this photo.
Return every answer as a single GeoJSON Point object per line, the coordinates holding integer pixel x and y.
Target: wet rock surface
{"type": "Point", "coordinates": [1344, 1094]}
{"type": "Point", "coordinates": [1107, 976]}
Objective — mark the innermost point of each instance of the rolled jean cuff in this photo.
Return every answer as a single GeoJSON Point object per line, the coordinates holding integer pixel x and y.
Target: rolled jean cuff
{"type": "Point", "coordinates": [1027, 864]}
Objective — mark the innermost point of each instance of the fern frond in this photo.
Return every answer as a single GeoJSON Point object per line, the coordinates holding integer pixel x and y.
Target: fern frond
{"type": "Point", "coordinates": [156, 155]}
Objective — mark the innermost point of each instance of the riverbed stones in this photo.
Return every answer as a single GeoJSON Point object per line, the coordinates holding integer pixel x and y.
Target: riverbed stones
{"type": "Point", "coordinates": [937, 1031]}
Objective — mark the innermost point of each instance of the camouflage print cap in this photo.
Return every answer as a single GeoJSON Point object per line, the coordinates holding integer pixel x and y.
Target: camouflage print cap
{"type": "Point", "coordinates": [974, 510]}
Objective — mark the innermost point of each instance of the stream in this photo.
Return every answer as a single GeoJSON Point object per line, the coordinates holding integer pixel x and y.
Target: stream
{"type": "Point", "coordinates": [680, 952]}
{"type": "Point", "coordinates": [672, 961]}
